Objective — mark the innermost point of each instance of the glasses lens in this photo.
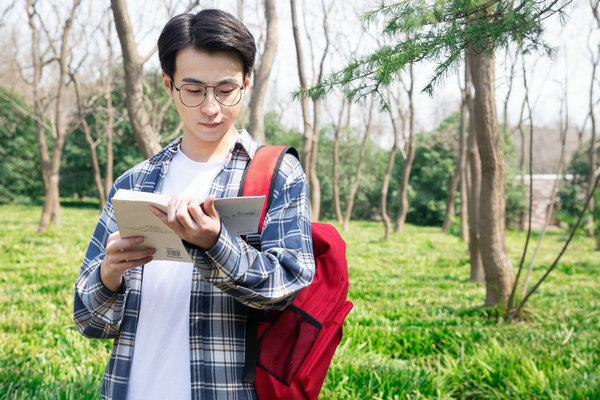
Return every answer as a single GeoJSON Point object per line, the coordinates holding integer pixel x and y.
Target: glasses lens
{"type": "Point", "coordinates": [228, 94]}
{"type": "Point", "coordinates": [192, 95]}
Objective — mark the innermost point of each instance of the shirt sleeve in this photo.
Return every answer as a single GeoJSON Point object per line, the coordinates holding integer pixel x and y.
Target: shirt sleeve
{"type": "Point", "coordinates": [98, 311]}
{"type": "Point", "coordinates": [269, 278]}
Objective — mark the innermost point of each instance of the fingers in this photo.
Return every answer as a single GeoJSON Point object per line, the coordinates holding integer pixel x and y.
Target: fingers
{"type": "Point", "coordinates": [172, 209]}
{"type": "Point", "coordinates": [209, 207]}
{"type": "Point", "coordinates": [192, 220]}
{"type": "Point", "coordinates": [121, 255]}
{"type": "Point", "coordinates": [183, 216]}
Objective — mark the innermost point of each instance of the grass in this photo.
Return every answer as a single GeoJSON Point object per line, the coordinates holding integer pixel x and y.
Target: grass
{"type": "Point", "coordinates": [416, 331]}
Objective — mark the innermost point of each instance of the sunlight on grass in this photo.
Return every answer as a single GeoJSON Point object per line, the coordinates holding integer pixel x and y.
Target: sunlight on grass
{"type": "Point", "coordinates": [417, 329]}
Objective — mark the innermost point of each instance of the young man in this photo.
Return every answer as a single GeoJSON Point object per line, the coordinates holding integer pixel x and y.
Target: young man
{"type": "Point", "coordinates": [179, 328]}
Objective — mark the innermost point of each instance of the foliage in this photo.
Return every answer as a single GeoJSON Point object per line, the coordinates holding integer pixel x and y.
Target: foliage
{"type": "Point", "coordinates": [413, 332]}
{"type": "Point", "coordinates": [366, 203]}
{"type": "Point", "coordinates": [367, 198]}
{"type": "Point", "coordinates": [572, 191]}
{"type": "Point", "coordinates": [432, 171]}
{"type": "Point", "coordinates": [20, 174]}
{"type": "Point", "coordinates": [439, 31]}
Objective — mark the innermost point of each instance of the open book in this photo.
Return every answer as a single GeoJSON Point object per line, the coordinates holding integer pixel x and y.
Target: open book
{"type": "Point", "coordinates": [241, 214]}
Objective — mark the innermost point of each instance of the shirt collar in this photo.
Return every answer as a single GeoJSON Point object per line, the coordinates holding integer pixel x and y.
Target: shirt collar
{"type": "Point", "coordinates": [246, 144]}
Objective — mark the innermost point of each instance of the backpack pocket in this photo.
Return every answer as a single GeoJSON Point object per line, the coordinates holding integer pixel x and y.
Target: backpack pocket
{"type": "Point", "coordinates": [286, 342]}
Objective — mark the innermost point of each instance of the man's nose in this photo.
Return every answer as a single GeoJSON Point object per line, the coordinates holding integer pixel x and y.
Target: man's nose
{"type": "Point", "coordinates": [210, 105]}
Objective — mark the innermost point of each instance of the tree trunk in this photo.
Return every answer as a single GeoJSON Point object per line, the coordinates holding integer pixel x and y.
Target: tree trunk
{"type": "Point", "coordinates": [450, 205]}
{"type": "Point", "coordinates": [387, 221]}
{"type": "Point", "coordinates": [361, 158]}
{"type": "Point", "coordinates": [109, 126]}
{"type": "Point", "coordinates": [499, 273]}
{"type": "Point", "coordinates": [462, 146]}
{"type": "Point", "coordinates": [315, 184]}
{"type": "Point", "coordinates": [522, 168]}
{"type": "Point", "coordinates": [474, 187]}
{"type": "Point", "coordinates": [261, 75]}
{"type": "Point", "coordinates": [307, 140]}
{"type": "Point", "coordinates": [459, 176]}
{"type": "Point", "coordinates": [51, 206]}
{"type": "Point", "coordinates": [38, 109]}
{"type": "Point", "coordinates": [563, 139]}
{"type": "Point", "coordinates": [408, 160]}
{"type": "Point", "coordinates": [592, 152]}
{"type": "Point", "coordinates": [92, 144]}
{"type": "Point", "coordinates": [146, 137]}
{"type": "Point", "coordinates": [335, 181]}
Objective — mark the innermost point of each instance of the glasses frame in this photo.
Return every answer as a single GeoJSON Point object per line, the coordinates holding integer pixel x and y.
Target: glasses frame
{"type": "Point", "coordinates": [206, 93]}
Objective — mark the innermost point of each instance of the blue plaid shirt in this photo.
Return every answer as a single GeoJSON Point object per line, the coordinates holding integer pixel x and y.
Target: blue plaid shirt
{"type": "Point", "coordinates": [226, 279]}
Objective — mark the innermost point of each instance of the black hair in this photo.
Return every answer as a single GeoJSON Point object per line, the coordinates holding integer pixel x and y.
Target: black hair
{"type": "Point", "coordinates": [210, 30]}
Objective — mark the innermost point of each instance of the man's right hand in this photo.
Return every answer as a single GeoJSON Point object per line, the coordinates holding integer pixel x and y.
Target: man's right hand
{"type": "Point", "coordinates": [120, 257]}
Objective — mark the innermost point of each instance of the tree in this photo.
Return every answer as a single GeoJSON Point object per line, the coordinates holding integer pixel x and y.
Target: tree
{"type": "Point", "coordinates": [335, 182]}
{"type": "Point", "coordinates": [92, 143]}
{"type": "Point", "coordinates": [459, 174]}
{"type": "Point", "coordinates": [499, 274]}
{"type": "Point", "coordinates": [310, 144]}
{"type": "Point", "coordinates": [390, 166]}
{"type": "Point", "coordinates": [474, 187]}
{"type": "Point", "coordinates": [261, 74]}
{"type": "Point", "coordinates": [593, 158]}
{"type": "Point", "coordinates": [62, 56]}
{"type": "Point", "coordinates": [359, 165]}
{"type": "Point", "coordinates": [563, 129]}
{"type": "Point", "coordinates": [441, 31]}
{"type": "Point", "coordinates": [409, 156]}
{"type": "Point", "coordinates": [147, 138]}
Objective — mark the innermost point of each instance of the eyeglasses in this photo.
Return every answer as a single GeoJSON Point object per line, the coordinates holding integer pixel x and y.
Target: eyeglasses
{"type": "Point", "coordinates": [194, 94]}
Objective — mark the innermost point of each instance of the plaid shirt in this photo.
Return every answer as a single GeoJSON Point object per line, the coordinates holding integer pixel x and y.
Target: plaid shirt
{"type": "Point", "coordinates": [226, 279]}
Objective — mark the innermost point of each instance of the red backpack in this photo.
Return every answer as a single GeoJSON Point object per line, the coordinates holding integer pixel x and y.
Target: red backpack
{"type": "Point", "coordinates": [288, 352]}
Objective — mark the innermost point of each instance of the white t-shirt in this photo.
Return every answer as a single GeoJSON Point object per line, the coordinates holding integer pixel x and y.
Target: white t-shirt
{"type": "Point", "coordinates": [161, 355]}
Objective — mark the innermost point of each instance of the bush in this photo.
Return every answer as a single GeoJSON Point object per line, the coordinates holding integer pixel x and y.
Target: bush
{"type": "Point", "coordinates": [20, 174]}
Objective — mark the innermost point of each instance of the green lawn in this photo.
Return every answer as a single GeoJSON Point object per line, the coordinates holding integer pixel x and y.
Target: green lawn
{"type": "Point", "coordinates": [416, 330]}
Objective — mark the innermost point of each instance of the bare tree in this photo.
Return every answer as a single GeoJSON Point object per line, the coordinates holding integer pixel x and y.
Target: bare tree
{"type": "Point", "coordinates": [511, 77]}
{"type": "Point", "coordinates": [409, 155]}
{"type": "Point", "coordinates": [464, 110]}
{"type": "Point", "coordinates": [498, 269]}
{"type": "Point", "coordinates": [307, 140]}
{"type": "Point", "coordinates": [458, 177]}
{"type": "Point", "coordinates": [387, 221]}
{"type": "Point", "coordinates": [109, 127]}
{"type": "Point", "coordinates": [91, 142]}
{"type": "Point", "coordinates": [563, 129]}
{"type": "Point", "coordinates": [593, 158]}
{"type": "Point", "coordinates": [359, 165]}
{"type": "Point", "coordinates": [146, 137]}
{"type": "Point", "coordinates": [51, 163]}
{"type": "Point", "coordinates": [261, 74]}
{"type": "Point", "coordinates": [310, 143]}
{"type": "Point", "coordinates": [39, 60]}
{"type": "Point", "coordinates": [522, 158]}
{"type": "Point", "coordinates": [335, 180]}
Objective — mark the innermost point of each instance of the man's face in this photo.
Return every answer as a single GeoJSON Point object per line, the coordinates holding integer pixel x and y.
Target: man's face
{"type": "Point", "coordinates": [211, 121]}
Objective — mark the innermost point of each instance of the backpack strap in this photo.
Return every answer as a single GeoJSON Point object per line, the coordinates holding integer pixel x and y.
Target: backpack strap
{"type": "Point", "coordinates": [259, 179]}
{"type": "Point", "coordinates": [261, 173]}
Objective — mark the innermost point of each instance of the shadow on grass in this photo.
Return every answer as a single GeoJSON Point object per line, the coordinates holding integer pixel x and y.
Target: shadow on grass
{"type": "Point", "coordinates": [80, 204]}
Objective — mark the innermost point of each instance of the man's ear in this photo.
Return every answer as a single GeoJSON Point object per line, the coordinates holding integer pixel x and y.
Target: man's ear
{"type": "Point", "coordinates": [167, 84]}
{"type": "Point", "coordinates": [247, 81]}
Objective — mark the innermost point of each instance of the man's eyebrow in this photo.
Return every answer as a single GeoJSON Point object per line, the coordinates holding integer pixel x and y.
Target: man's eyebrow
{"type": "Point", "coordinates": [199, 82]}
